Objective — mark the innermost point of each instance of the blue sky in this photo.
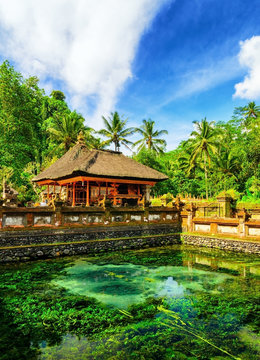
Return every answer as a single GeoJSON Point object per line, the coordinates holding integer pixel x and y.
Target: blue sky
{"type": "Point", "coordinates": [174, 61]}
{"type": "Point", "coordinates": [187, 64]}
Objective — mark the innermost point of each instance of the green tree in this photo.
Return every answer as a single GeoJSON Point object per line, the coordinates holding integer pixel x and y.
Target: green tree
{"type": "Point", "coordinates": [20, 119]}
{"type": "Point", "coordinates": [65, 130]}
{"type": "Point", "coordinates": [115, 130]}
{"type": "Point", "coordinates": [248, 115]}
{"type": "Point", "coordinates": [54, 105]}
{"type": "Point", "coordinates": [58, 95]}
{"type": "Point", "coordinates": [94, 143]}
{"type": "Point", "coordinates": [204, 143]}
{"type": "Point", "coordinates": [251, 110]}
{"type": "Point", "coordinates": [5, 175]}
{"type": "Point", "coordinates": [150, 136]}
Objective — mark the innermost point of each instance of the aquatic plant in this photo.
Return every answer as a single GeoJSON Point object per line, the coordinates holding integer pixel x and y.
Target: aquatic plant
{"type": "Point", "coordinates": [176, 321]}
{"type": "Point", "coordinates": [41, 320]}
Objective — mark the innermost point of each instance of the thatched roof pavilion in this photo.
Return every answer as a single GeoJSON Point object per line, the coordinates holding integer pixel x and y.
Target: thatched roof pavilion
{"type": "Point", "coordinates": [91, 174]}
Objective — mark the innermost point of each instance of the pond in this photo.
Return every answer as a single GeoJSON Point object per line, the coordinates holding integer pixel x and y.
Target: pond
{"type": "Point", "coordinates": [177, 302]}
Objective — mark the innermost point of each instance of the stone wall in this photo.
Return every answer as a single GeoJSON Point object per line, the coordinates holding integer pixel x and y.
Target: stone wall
{"type": "Point", "coordinates": [52, 236]}
{"type": "Point", "coordinates": [41, 251]}
{"type": "Point", "coordinates": [221, 243]}
{"type": "Point", "coordinates": [33, 233]}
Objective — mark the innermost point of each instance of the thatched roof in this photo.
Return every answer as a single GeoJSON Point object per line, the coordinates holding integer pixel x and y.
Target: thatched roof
{"type": "Point", "coordinates": [98, 163]}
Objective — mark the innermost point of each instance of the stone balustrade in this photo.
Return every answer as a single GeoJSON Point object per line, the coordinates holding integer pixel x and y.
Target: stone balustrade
{"type": "Point", "coordinates": [83, 216]}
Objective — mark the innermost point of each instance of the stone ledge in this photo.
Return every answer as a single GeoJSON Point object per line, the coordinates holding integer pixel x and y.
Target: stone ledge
{"type": "Point", "coordinates": [89, 241]}
{"type": "Point", "coordinates": [26, 253]}
{"type": "Point", "coordinates": [50, 236]}
{"type": "Point", "coordinates": [248, 246]}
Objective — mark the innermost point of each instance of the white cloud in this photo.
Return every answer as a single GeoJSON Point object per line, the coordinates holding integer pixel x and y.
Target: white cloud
{"type": "Point", "coordinates": [86, 45]}
{"type": "Point", "coordinates": [249, 57]}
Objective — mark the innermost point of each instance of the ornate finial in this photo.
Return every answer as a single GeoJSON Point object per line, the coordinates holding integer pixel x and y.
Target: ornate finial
{"type": "Point", "coordinates": [81, 138]}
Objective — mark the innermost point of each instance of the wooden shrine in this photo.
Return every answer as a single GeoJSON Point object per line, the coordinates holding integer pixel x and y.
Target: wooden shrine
{"type": "Point", "coordinates": [86, 177]}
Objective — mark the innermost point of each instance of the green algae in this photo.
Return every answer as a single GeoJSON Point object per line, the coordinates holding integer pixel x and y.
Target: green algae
{"type": "Point", "coordinates": [120, 306]}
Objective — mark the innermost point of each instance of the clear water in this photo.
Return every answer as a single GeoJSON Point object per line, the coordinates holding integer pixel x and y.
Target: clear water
{"type": "Point", "coordinates": [168, 303]}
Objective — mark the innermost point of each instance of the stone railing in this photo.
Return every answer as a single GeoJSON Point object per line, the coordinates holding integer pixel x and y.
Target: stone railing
{"type": "Point", "coordinates": [183, 217]}
{"type": "Point", "coordinates": [11, 218]}
{"type": "Point", "coordinates": [241, 226]}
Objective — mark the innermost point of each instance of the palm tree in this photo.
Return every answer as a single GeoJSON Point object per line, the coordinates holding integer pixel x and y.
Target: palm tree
{"type": "Point", "coordinates": [95, 143]}
{"type": "Point", "coordinates": [66, 129]}
{"type": "Point", "coordinates": [251, 110]}
{"type": "Point", "coordinates": [227, 163]}
{"type": "Point", "coordinates": [150, 137]}
{"type": "Point", "coordinates": [184, 162]}
{"type": "Point", "coordinates": [250, 113]}
{"type": "Point", "coordinates": [115, 131]}
{"type": "Point", "coordinates": [204, 143]}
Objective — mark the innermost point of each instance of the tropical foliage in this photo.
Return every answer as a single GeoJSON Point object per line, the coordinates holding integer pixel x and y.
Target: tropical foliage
{"type": "Point", "coordinates": [66, 129]}
{"type": "Point", "coordinates": [115, 131]}
{"type": "Point", "coordinates": [36, 129]}
{"type": "Point", "coordinates": [150, 136]}
{"type": "Point", "coordinates": [203, 143]}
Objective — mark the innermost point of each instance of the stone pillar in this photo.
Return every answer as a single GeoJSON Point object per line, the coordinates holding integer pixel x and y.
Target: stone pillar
{"type": "Point", "coordinates": [213, 228]}
{"type": "Point", "coordinates": [191, 210]}
{"type": "Point", "coordinates": [243, 216]}
{"type": "Point", "coordinates": [58, 216]}
{"type": "Point", "coordinates": [147, 192]}
{"type": "Point", "coordinates": [107, 215]}
{"type": "Point", "coordinates": [179, 206]}
{"type": "Point", "coordinates": [225, 204]}
{"type": "Point", "coordinates": [29, 219]}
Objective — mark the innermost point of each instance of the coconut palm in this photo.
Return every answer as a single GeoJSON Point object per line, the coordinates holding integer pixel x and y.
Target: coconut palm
{"type": "Point", "coordinates": [227, 163]}
{"type": "Point", "coordinates": [150, 137]}
{"type": "Point", "coordinates": [251, 115]}
{"type": "Point", "coordinates": [95, 143]}
{"type": "Point", "coordinates": [204, 143]}
{"type": "Point", "coordinates": [115, 130]}
{"type": "Point", "coordinates": [251, 110]}
{"type": "Point", "coordinates": [184, 162]}
{"type": "Point", "coordinates": [65, 130]}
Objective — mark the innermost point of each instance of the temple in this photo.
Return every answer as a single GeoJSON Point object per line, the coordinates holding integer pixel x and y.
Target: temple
{"type": "Point", "coordinates": [86, 177]}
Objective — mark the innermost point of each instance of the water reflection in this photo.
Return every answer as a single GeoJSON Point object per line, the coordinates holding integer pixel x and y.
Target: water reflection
{"type": "Point", "coordinates": [237, 265]}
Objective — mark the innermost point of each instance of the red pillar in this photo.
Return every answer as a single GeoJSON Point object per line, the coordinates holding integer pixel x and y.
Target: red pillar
{"type": "Point", "coordinates": [73, 199]}
{"type": "Point", "coordinates": [87, 203]}
{"type": "Point", "coordinates": [114, 194]}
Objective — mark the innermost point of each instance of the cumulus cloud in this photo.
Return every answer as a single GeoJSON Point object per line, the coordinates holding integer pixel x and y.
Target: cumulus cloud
{"type": "Point", "coordinates": [249, 57]}
{"type": "Point", "coordinates": [86, 46]}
